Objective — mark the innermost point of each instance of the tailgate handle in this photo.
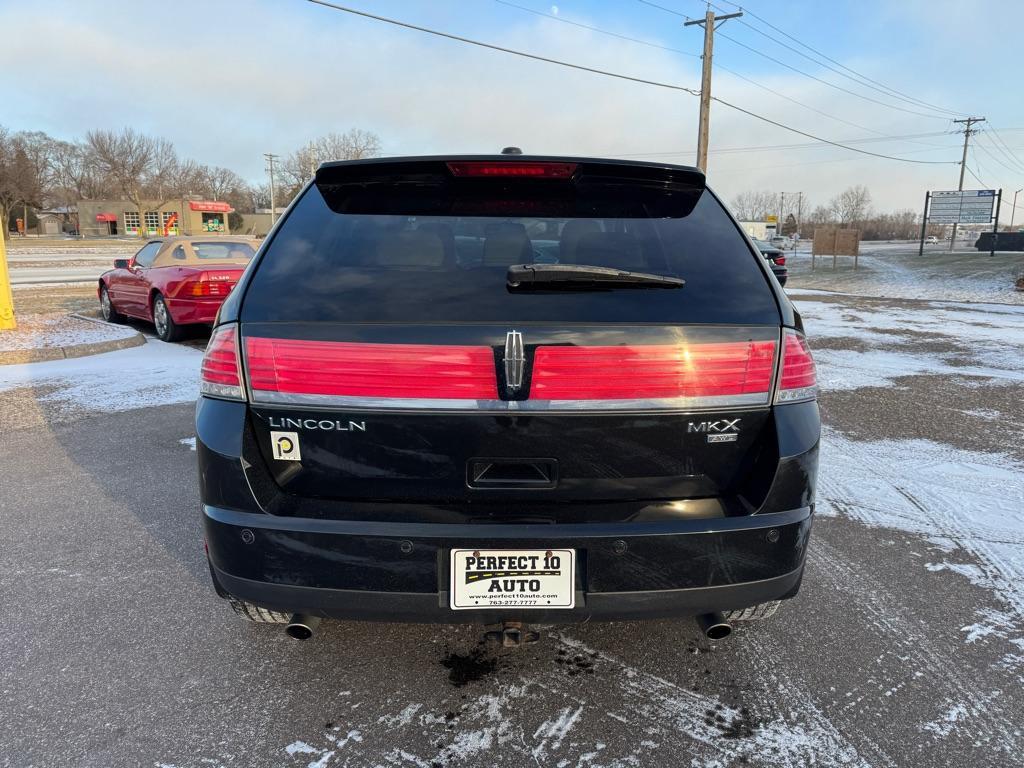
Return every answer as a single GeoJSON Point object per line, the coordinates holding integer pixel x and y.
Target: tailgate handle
{"type": "Point", "coordinates": [512, 473]}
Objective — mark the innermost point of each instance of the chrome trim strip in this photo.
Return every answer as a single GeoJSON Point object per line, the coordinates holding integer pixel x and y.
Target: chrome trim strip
{"type": "Point", "coordinates": [531, 406]}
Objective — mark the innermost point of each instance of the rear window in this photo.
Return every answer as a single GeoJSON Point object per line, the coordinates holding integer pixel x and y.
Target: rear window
{"type": "Point", "coordinates": [228, 251]}
{"type": "Point", "coordinates": [331, 266]}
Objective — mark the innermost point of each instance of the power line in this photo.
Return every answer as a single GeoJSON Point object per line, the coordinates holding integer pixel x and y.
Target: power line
{"type": "Point", "coordinates": [863, 80]}
{"type": "Point", "coordinates": [827, 141]}
{"type": "Point", "coordinates": [693, 55]}
{"type": "Point", "coordinates": [806, 145]}
{"type": "Point", "coordinates": [802, 72]}
{"type": "Point", "coordinates": [1004, 147]}
{"type": "Point", "coordinates": [597, 29]}
{"type": "Point", "coordinates": [617, 75]}
{"type": "Point", "coordinates": [983, 148]}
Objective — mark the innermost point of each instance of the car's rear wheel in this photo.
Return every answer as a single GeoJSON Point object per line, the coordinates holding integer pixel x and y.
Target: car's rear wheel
{"type": "Point", "coordinates": [107, 310]}
{"type": "Point", "coordinates": [166, 328]}
{"type": "Point", "coordinates": [254, 613]}
{"type": "Point", "coordinates": [754, 612]}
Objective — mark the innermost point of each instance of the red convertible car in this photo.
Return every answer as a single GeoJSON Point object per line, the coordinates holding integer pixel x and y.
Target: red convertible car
{"type": "Point", "coordinates": [174, 282]}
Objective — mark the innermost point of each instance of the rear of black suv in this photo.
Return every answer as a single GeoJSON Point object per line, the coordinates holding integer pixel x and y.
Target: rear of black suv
{"type": "Point", "coordinates": [506, 389]}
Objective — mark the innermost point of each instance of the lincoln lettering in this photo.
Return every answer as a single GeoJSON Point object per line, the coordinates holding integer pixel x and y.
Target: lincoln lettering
{"type": "Point", "coordinates": [324, 425]}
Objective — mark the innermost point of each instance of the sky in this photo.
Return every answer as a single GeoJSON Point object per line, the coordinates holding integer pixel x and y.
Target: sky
{"type": "Point", "coordinates": [227, 81]}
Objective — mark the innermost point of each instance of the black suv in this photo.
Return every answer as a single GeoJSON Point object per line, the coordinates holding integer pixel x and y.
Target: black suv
{"type": "Point", "coordinates": [507, 389]}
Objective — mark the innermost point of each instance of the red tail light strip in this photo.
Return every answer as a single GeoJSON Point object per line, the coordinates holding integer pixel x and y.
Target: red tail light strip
{"type": "Point", "coordinates": [684, 375]}
{"type": "Point", "coordinates": [420, 376]}
{"type": "Point", "coordinates": [291, 370]}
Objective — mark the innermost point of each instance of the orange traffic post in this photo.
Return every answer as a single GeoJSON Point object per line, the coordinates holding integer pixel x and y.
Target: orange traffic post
{"type": "Point", "coordinates": [7, 322]}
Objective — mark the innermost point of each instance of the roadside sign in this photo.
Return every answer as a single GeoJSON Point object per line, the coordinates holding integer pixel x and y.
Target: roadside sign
{"type": "Point", "coordinates": [969, 206]}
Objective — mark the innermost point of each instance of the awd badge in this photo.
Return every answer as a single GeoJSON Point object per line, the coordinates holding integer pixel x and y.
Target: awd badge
{"type": "Point", "coordinates": [285, 446]}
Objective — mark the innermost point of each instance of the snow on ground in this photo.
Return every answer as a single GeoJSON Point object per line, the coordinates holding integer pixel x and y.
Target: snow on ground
{"type": "Point", "coordinates": [153, 374]}
{"type": "Point", "coordinates": [982, 340]}
{"type": "Point", "coordinates": [895, 270]}
{"type": "Point", "coordinates": [59, 330]}
{"type": "Point", "coordinates": [971, 504]}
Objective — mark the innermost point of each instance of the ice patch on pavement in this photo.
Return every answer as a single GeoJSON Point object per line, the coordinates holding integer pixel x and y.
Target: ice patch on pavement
{"type": "Point", "coordinates": [189, 441]}
{"type": "Point", "coordinates": [152, 374]}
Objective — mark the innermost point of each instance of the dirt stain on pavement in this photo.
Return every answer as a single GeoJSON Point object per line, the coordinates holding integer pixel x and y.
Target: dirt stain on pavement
{"type": "Point", "coordinates": [464, 668]}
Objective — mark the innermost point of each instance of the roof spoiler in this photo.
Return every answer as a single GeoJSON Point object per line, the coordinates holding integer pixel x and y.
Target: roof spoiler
{"type": "Point", "coordinates": [510, 185]}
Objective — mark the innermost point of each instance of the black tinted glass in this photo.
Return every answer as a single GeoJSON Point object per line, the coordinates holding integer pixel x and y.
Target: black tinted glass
{"type": "Point", "coordinates": [345, 267]}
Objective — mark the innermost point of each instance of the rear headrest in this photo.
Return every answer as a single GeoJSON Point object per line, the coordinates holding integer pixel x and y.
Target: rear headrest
{"type": "Point", "coordinates": [507, 243]}
{"type": "Point", "coordinates": [617, 250]}
{"type": "Point", "coordinates": [409, 249]}
{"type": "Point", "coordinates": [444, 232]}
{"type": "Point", "coordinates": [573, 230]}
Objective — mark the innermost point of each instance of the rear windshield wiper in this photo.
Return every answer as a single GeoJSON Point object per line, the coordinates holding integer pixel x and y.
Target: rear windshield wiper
{"type": "Point", "coordinates": [525, 277]}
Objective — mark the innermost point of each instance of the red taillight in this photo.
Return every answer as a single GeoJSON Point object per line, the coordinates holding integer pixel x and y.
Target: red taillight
{"type": "Point", "coordinates": [542, 170]}
{"type": "Point", "coordinates": [780, 260]}
{"type": "Point", "coordinates": [798, 379]}
{"type": "Point", "coordinates": [211, 288]}
{"type": "Point", "coordinates": [219, 374]}
{"type": "Point", "coordinates": [338, 368]}
{"type": "Point", "coordinates": [724, 369]}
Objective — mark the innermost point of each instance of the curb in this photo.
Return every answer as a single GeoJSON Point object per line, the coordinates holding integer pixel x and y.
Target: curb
{"type": "Point", "coordinates": [21, 356]}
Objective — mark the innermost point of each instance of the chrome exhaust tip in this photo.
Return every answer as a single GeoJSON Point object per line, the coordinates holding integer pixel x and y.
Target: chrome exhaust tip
{"type": "Point", "coordinates": [302, 627]}
{"type": "Point", "coordinates": [714, 626]}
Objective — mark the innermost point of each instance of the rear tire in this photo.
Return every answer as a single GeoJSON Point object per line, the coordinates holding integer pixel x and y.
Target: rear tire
{"type": "Point", "coordinates": [107, 311]}
{"type": "Point", "coordinates": [754, 612]}
{"type": "Point", "coordinates": [166, 329]}
{"type": "Point", "coordinates": [255, 614]}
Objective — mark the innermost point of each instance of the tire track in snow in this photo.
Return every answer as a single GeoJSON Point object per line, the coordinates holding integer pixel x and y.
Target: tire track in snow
{"type": "Point", "coordinates": [910, 645]}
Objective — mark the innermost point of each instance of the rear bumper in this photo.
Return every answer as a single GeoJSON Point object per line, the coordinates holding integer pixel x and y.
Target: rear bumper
{"type": "Point", "coordinates": [190, 311]}
{"type": "Point", "coordinates": [399, 571]}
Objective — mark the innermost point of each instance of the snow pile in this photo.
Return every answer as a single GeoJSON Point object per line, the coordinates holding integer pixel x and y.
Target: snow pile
{"type": "Point", "coordinates": [153, 374]}
{"type": "Point", "coordinates": [54, 331]}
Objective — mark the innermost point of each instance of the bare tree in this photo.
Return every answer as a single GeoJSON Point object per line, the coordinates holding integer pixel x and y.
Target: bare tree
{"type": "Point", "coordinates": [146, 169]}
{"type": "Point", "coordinates": [851, 206]}
{"type": "Point", "coordinates": [354, 144]}
{"type": "Point", "coordinates": [755, 205]}
{"type": "Point", "coordinates": [127, 158]}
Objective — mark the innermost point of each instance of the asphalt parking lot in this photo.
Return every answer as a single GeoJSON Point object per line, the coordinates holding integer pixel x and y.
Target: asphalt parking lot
{"type": "Point", "coordinates": [905, 646]}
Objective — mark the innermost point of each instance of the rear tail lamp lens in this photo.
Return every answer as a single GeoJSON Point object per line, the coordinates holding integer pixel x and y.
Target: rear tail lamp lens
{"type": "Point", "coordinates": [208, 288]}
{"type": "Point", "coordinates": [723, 370]}
{"type": "Point", "coordinates": [798, 379]}
{"type": "Point", "coordinates": [219, 376]}
{"type": "Point", "coordinates": [349, 369]}
{"type": "Point", "coordinates": [780, 260]}
{"type": "Point", "coordinates": [519, 170]}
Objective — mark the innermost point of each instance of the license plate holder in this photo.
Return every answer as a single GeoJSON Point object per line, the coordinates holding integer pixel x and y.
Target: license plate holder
{"type": "Point", "coordinates": [535, 579]}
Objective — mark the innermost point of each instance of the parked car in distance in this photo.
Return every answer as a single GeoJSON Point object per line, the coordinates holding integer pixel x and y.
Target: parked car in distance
{"type": "Point", "coordinates": [174, 282]}
{"type": "Point", "coordinates": [781, 241]}
{"type": "Point", "coordinates": [931, 240]}
{"type": "Point", "coordinates": [776, 258]}
{"type": "Point", "coordinates": [504, 389]}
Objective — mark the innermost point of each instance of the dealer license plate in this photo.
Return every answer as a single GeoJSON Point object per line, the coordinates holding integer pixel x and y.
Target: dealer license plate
{"type": "Point", "coordinates": [513, 578]}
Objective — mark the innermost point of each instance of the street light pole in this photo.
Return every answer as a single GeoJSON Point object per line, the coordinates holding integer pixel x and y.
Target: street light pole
{"type": "Point", "coordinates": [1013, 209]}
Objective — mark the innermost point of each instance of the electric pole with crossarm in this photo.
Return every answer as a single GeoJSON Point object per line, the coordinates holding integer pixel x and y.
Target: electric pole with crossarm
{"type": "Point", "coordinates": [968, 132]}
{"type": "Point", "coordinates": [710, 22]}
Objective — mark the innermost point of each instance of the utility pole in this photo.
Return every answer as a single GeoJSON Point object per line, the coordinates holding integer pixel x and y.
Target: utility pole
{"type": "Point", "coordinates": [1013, 209]}
{"type": "Point", "coordinates": [270, 169]}
{"type": "Point", "coordinates": [710, 22]}
{"type": "Point", "coordinates": [968, 132]}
